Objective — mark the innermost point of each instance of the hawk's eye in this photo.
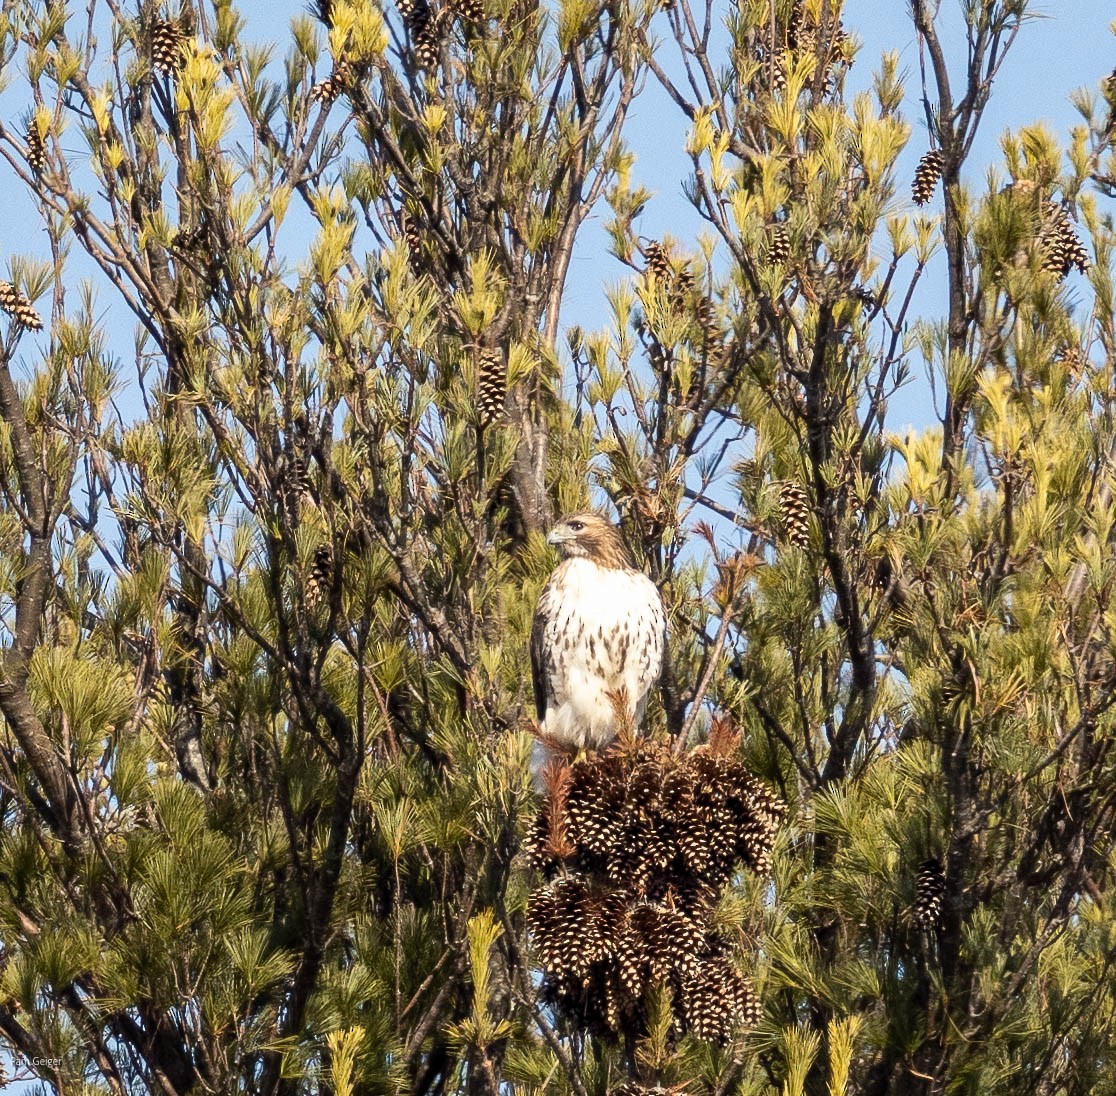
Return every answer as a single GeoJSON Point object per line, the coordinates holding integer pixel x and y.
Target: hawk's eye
{"type": "Point", "coordinates": [577, 526]}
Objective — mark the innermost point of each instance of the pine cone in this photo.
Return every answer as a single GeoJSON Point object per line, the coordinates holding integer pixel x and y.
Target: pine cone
{"type": "Point", "coordinates": [778, 247]}
{"type": "Point", "coordinates": [19, 307]}
{"type": "Point", "coordinates": [470, 11]}
{"type": "Point", "coordinates": [320, 579]}
{"type": "Point", "coordinates": [291, 471]}
{"type": "Point", "coordinates": [618, 1008]}
{"type": "Point", "coordinates": [1074, 358]}
{"type": "Point", "coordinates": [167, 40]}
{"type": "Point", "coordinates": [36, 149]}
{"type": "Point", "coordinates": [754, 798]}
{"type": "Point", "coordinates": [754, 846]}
{"type": "Point", "coordinates": [694, 846]}
{"type": "Point", "coordinates": [926, 176]}
{"type": "Point", "coordinates": [537, 844]}
{"type": "Point", "coordinates": [683, 286]}
{"type": "Point", "coordinates": [492, 385]}
{"type": "Point", "coordinates": [836, 58]}
{"type": "Point", "coordinates": [715, 1000]}
{"type": "Point", "coordinates": [187, 238]}
{"type": "Point", "coordinates": [777, 76]}
{"type": "Point", "coordinates": [595, 808]}
{"type": "Point", "coordinates": [1061, 247]}
{"type": "Point", "coordinates": [633, 967]}
{"type": "Point", "coordinates": [794, 507]}
{"type": "Point", "coordinates": [556, 919]}
{"type": "Point", "coordinates": [612, 916]}
{"type": "Point", "coordinates": [425, 28]}
{"type": "Point", "coordinates": [796, 26]}
{"type": "Point", "coordinates": [678, 941]}
{"type": "Point", "coordinates": [1074, 251]}
{"type": "Point", "coordinates": [658, 262]}
{"type": "Point", "coordinates": [427, 44]}
{"type": "Point", "coordinates": [806, 37]}
{"type": "Point", "coordinates": [597, 933]}
{"type": "Point", "coordinates": [412, 234]}
{"type": "Point", "coordinates": [707, 319]}
{"type": "Point", "coordinates": [628, 863]}
{"type": "Point", "coordinates": [930, 888]}
{"type": "Point", "coordinates": [338, 81]}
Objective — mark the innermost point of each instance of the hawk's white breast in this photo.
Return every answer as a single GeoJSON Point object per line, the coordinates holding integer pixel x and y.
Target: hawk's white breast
{"type": "Point", "coordinates": [603, 639]}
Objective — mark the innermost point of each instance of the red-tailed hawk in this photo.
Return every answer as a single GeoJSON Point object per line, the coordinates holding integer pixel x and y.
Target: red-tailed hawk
{"type": "Point", "coordinates": [598, 637]}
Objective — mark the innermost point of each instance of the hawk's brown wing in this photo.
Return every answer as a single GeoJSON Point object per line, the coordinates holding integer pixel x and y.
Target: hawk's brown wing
{"type": "Point", "coordinates": [538, 649]}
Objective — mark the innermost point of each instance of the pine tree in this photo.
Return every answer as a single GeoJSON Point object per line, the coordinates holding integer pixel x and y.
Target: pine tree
{"type": "Point", "coordinates": [270, 822]}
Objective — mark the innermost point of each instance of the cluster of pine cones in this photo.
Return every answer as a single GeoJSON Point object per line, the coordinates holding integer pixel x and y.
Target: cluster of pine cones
{"type": "Point", "coordinates": [681, 290]}
{"type": "Point", "coordinates": [638, 845]}
{"type": "Point", "coordinates": [1061, 247]}
{"type": "Point", "coordinates": [427, 26]}
{"type": "Point", "coordinates": [801, 35]}
{"type": "Point", "coordinates": [660, 270]}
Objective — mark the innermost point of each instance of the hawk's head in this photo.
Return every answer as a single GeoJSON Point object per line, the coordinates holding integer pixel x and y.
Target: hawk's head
{"type": "Point", "coordinates": [589, 535]}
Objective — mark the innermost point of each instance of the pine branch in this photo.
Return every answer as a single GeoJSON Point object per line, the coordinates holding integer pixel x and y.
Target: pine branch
{"type": "Point", "coordinates": [15, 666]}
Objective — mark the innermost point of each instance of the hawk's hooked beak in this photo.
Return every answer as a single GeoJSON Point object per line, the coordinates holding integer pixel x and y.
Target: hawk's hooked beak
{"type": "Point", "coordinates": [559, 535]}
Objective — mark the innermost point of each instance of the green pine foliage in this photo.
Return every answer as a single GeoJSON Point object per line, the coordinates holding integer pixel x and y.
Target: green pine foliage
{"type": "Point", "coordinates": [268, 568]}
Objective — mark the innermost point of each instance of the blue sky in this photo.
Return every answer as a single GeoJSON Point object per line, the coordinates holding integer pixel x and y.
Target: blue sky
{"type": "Point", "coordinates": [1069, 48]}
{"type": "Point", "coordinates": [1064, 46]}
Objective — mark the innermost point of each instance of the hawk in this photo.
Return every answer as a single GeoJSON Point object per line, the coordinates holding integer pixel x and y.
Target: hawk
{"type": "Point", "coordinates": [598, 637]}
